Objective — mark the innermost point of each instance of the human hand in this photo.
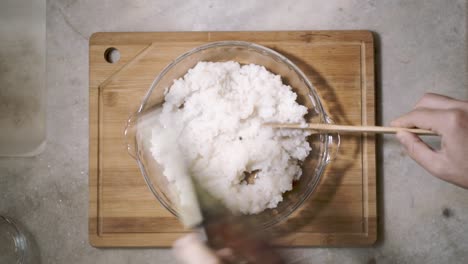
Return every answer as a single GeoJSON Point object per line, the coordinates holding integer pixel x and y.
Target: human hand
{"type": "Point", "coordinates": [190, 249]}
{"type": "Point", "coordinates": [448, 118]}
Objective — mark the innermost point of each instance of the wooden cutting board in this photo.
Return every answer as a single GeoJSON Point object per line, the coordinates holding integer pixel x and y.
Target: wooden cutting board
{"type": "Point", "coordinates": [340, 64]}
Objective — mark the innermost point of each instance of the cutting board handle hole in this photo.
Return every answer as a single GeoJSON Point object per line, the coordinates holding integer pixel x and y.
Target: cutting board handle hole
{"type": "Point", "coordinates": [112, 55]}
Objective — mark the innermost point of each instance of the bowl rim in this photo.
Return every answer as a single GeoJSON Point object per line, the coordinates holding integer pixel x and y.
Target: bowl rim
{"type": "Point", "coordinates": [315, 99]}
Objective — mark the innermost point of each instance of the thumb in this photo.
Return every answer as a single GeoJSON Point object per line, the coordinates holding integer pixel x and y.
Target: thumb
{"type": "Point", "coordinates": [191, 250]}
{"type": "Point", "coordinates": [419, 151]}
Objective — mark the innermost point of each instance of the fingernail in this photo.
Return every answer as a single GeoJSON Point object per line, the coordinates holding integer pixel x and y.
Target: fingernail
{"type": "Point", "coordinates": [400, 137]}
{"type": "Point", "coordinates": [225, 252]}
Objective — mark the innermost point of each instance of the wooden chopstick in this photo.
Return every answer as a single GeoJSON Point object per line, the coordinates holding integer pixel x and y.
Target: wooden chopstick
{"type": "Point", "coordinates": [354, 129]}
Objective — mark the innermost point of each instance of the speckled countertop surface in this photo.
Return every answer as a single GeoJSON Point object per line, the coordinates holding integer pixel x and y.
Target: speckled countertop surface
{"type": "Point", "coordinates": [422, 47]}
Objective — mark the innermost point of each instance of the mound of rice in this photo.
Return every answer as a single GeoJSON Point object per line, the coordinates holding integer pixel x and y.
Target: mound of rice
{"type": "Point", "coordinates": [211, 126]}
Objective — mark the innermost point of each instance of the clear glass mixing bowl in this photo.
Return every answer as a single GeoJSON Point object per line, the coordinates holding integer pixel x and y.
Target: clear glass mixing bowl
{"type": "Point", "coordinates": [324, 146]}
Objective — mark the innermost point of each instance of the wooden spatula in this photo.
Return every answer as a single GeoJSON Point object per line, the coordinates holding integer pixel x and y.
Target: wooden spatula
{"type": "Point", "coordinates": [353, 129]}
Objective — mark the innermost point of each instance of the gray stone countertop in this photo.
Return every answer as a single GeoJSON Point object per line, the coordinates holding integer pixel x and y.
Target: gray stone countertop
{"type": "Point", "coordinates": [422, 47]}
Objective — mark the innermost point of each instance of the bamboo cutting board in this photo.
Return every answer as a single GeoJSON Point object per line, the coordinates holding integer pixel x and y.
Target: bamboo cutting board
{"type": "Point", "coordinates": [340, 64]}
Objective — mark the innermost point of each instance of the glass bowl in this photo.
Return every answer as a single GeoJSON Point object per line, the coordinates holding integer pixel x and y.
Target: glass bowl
{"type": "Point", "coordinates": [324, 146]}
{"type": "Point", "coordinates": [14, 245]}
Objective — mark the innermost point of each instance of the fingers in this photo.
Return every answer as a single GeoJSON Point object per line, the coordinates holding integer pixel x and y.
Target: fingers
{"type": "Point", "coordinates": [227, 255]}
{"type": "Point", "coordinates": [431, 112]}
{"type": "Point", "coordinates": [224, 253]}
{"type": "Point", "coordinates": [447, 117]}
{"type": "Point", "coordinates": [191, 250]}
{"type": "Point", "coordinates": [435, 101]}
{"type": "Point", "coordinates": [420, 152]}
{"type": "Point", "coordinates": [422, 118]}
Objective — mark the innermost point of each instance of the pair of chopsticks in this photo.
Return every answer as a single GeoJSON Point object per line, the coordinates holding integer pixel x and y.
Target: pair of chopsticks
{"type": "Point", "coordinates": [353, 129]}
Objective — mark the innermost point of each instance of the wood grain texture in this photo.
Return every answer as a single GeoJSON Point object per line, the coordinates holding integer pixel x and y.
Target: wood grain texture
{"type": "Point", "coordinates": [322, 128]}
{"type": "Point", "coordinates": [340, 64]}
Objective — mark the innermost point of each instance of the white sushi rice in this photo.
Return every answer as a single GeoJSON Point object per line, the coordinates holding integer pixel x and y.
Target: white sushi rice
{"type": "Point", "coordinates": [211, 126]}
